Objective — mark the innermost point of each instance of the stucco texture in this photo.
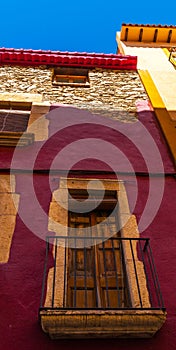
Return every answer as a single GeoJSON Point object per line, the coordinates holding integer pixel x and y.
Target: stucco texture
{"type": "Point", "coordinates": [21, 277]}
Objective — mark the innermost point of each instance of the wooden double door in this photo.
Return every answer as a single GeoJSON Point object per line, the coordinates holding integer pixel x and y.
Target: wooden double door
{"type": "Point", "coordinates": [96, 273]}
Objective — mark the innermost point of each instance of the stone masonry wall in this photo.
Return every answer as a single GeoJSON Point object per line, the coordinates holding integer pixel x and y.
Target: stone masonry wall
{"type": "Point", "coordinates": [111, 93]}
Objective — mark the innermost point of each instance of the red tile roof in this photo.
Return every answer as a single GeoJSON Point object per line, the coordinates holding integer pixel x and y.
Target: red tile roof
{"type": "Point", "coordinates": [148, 25]}
{"type": "Point", "coordinates": [74, 59]}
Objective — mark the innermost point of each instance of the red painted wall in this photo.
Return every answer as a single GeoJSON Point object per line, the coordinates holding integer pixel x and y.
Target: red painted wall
{"type": "Point", "coordinates": [21, 277]}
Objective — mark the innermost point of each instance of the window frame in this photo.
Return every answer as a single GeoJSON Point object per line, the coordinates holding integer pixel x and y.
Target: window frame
{"type": "Point", "coordinates": [15, 138]}
{"type": "Point", "coordinates": [125, 323]}
{"type": "Point", "coordinates": [37, 128]}
{"type": "Point", "coordinates": [72, 74]}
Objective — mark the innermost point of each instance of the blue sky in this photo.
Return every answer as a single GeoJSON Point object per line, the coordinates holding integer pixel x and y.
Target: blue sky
{"type": "Point", "coordinates": [76, 25]}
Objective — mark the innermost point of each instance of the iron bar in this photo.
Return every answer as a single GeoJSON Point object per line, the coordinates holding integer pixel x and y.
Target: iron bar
{"type": "Point", "coordinates": [75, 289]}
{"type": "Point", "coordinates": [116, 273]}
{"type": "Point", "coordinates": [85, 275]}
{"type": "Point", "coordinates": [136, 275]}
{"type": "Point", "coordinates": [100, 280]}
{"type": "Point", "coordinates": [153, 275]}
{"type": "Point", "coordinates": [44, 273]}
{"type": "Point", "coordinates": [123, 271]}
{"type": "Point", "coordinates": [65, 272]}
{"type": "Point", "coordinates": [54, 274]}
{"type": "Point", "coordinates": [146, 244]}
{"type": "Point", "coordinates": [105, 273]}
{"type": "Point", "coordinates": [99, 237]}
{"type": "Point", "coordinates": [144, 264]}
{"type": "Point", "coordinates": [160, 300]}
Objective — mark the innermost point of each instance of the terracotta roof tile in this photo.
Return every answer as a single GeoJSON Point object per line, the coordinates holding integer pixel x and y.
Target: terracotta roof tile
{"type": "Point", "coordinates": [57, 58]}
{"type": "Point", "coordinates": [148, 25]}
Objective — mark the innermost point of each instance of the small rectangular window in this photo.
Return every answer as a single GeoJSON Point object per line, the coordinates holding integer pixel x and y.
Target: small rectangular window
{"type": "Point", "coordinates": [71, 76]}
{"type": "Point", "coordinates": [14, 118]}
{"type": "Point", "coordinates": [13, 121]}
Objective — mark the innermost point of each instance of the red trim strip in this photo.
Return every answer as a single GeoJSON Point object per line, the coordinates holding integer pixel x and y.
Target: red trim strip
{"type": "Point", "coordinates": [74, 59]}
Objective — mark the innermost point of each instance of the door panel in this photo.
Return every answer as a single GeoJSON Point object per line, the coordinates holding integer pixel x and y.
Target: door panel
{"type": "Point", "coordinates": [96, 273]}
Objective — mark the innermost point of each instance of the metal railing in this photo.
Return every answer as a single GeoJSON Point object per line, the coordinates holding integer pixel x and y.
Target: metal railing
{"type": "Point", "coordinates": [94, 273]}
{"type": "Point", "coordinates": [172, 56]}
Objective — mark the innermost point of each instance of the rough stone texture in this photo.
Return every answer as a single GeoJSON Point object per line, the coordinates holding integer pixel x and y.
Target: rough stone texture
{"type": "Point", "coordinates": [9, 206]}
{"type": "Point", "coordinates": [58, 223]}
{"type": "Point", "coordinates": [38, 124]}
{"type": "Point", "coordinates": [130, 230]}
{"type": "Point", "coordinates": [7, 183]}
{"type": "Point", "coordinates": [7, 223]}
{"type": "Point", "coordinates": [104, 324]}
{"type": "Point", "coordinates": [13, 96]}
{"type": "Point", "coordinates": [111, 93]}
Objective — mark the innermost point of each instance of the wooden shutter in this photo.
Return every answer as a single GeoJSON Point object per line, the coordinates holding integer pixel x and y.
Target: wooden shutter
{"type": "Point", "coordinates": [14, 121]}
{"type": "Point", "coordinates": [95, 274]}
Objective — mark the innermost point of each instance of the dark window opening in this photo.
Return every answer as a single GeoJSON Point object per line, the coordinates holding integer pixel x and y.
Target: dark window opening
{"type": "Point", "coordinates": [14, 117]}
{"type": "Point", "coordinates": [14, 122]}
{"type": "Point", "coordinates": [71, 76]}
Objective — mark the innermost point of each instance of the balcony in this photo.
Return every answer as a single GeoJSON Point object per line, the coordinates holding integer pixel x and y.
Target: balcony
{"type": "Point", "coordinates": [100, 288]}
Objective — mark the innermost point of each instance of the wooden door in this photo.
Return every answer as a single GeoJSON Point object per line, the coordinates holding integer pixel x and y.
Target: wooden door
{"type": "Point", "coordinates": [95, 274]}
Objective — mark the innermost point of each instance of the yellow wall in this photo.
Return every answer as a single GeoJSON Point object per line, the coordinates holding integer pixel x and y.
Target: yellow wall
{"type": "Point", "coordinates": [158, 76]}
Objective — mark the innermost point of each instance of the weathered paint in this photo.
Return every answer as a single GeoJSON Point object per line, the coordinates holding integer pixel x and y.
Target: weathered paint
{"type": "Point", "coordinates": [167, 124]}
{"type": "Point", "coordinates": [40, 155]}
{"type": "Point", "coordinates": [158, 76]}
{"type": "Point", "coordinates": [21, 277]}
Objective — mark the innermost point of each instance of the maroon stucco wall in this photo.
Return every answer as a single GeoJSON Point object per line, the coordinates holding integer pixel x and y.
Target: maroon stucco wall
{"type": "Point", "coordinates": [21, 277]}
